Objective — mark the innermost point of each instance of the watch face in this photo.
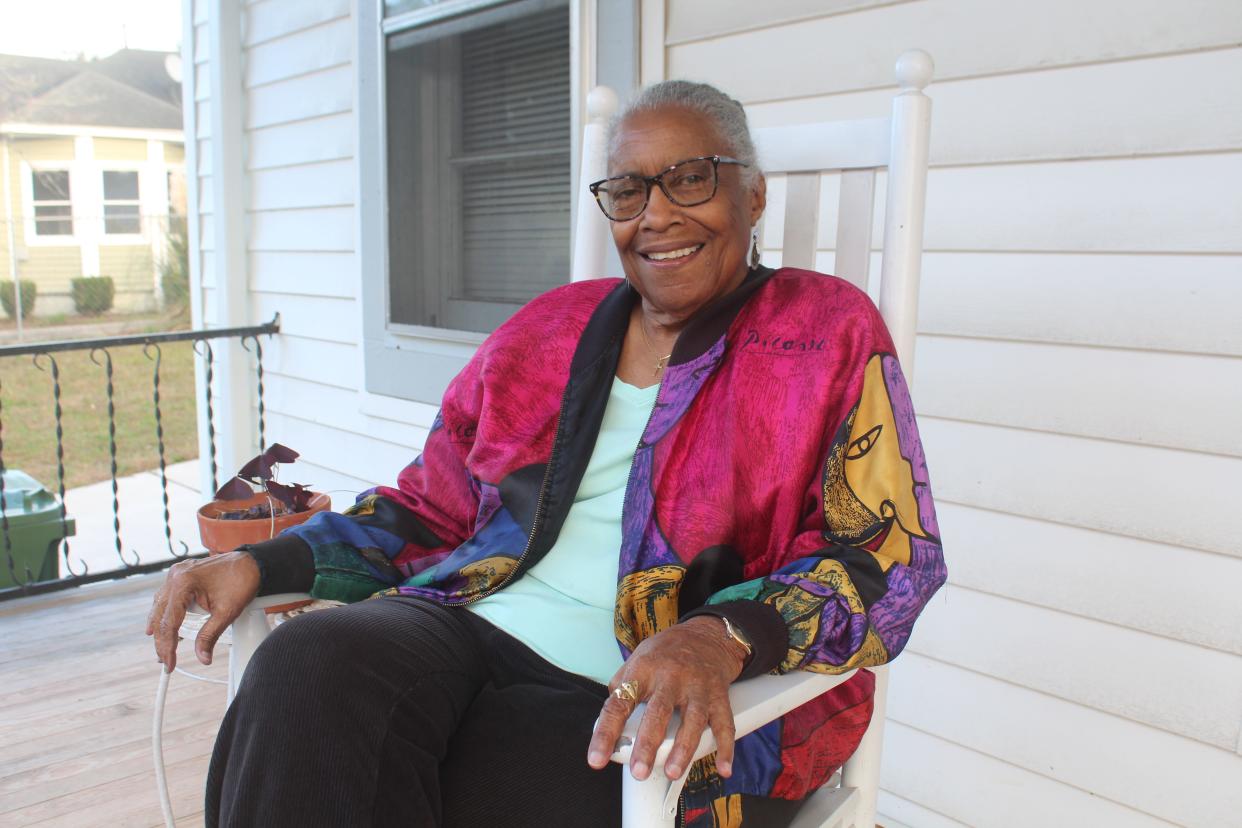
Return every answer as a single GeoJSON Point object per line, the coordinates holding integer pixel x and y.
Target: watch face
{"type": "Point", "coordinates": [736, 634]}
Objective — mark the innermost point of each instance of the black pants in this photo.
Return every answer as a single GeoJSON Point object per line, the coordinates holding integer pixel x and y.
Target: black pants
{"type": "Point", "coordinates": [400, 712]}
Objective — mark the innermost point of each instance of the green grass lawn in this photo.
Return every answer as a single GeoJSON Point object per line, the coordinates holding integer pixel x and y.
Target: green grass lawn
{"type": "Point", "coordinates": [29, 428]}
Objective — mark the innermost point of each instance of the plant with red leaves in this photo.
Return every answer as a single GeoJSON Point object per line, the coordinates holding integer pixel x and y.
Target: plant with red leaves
{"type": "Point", "coordinates": [259, 474]}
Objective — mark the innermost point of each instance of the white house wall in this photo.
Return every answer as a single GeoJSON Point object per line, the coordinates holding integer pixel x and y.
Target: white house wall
{"type": "Point", "coordinates": [1079, 371]}
{"type": "Point", "coordinates": [300, 186]}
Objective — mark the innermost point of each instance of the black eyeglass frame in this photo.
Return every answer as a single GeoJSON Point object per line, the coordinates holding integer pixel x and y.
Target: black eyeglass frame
{"type": "Point", "coordinates": [658, 180]}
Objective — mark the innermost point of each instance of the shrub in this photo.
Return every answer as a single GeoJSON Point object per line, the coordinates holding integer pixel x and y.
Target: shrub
{"type": "Point", "coordinates": [29, 292]}
{"type": "Point", "coordinates": [92, 295]}
{"type": "Point", "coordinates": [175, 268]}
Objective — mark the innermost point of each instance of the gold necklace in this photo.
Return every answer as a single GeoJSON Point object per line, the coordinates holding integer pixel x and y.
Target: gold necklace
{"type": "Point", "coordinates": [661, 361]}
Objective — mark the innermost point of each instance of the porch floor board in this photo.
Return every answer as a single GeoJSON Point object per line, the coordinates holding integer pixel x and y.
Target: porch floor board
{"type": "Point", "coordinates": [76, 704]}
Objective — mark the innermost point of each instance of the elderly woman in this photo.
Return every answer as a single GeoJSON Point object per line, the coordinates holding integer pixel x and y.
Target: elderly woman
{"type": "Point", "coordinates": [637, 491]}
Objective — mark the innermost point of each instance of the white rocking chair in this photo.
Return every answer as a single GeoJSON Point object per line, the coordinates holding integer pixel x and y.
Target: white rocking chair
{"type": "Point", "coordinates": [855, 149]}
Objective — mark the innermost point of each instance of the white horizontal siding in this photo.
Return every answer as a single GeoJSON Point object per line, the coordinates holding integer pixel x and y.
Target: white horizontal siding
{"type": "Point", "coordinates": [310, 317]}
{"type": "Point", "coordinates": [318, 402]}
{"type": "Point", "coordinates": [201, 36]}
{"type": "Point", "coordinates": [1109, 756]}
{"type": "Point", "coordinates": [205, 200]}
{"type": "Point", "coordinates": [207, 233]}
{"type": "Point", "coordinates": [1169, 302]}
{"type": "Point", "coordinates": [277, 18]}
{"type": "Point", "coordinates": [328, 138]}
{"type": "Point", "coordinates": [311, 95]}
{"type": "Point", "coordinates": [328, 229]}
{"type": "Point", "coordinates": [209, 261]}
{"type": "Point", "coordinates": [1116, 394]}
{"type": "Point", "coordinates": [344, 451]}
{"type": "Point", "coordinates": [983, 792]}
{"type": "Point", "coordinates": [204, 159]}
{"type": "Point", "coordinates": [1171, 591]}
{"type": "Point", "coordinates": [309, 274]}
{"type": "Point", "coordinates": [1146, 106]}
{"type": "Point", "coordinates": [335, 407]}
{"type": "Point", "coordinates": [202, 81]}
{"type": "Point", "coordinates": [1180, 688]}
{"type": "Point", "coordinates": [1166, 204]}
{"type": "Point", "coordinates": [967, 38]}
{"type": "Point", "coordinates": [318, 184]}
{"type": "Point", "coordinates": [1124, 301]}
{"type": "Point", "coordinates": [321, 360]}
{"type": "Point", "coordinates": [203, 124]}
{"type": "Point", "coordinates": [324, 46]}
{"type": "Point", "coordinates": [1173, 497]}
{"type": "Point", "coordinates": [686, 23]}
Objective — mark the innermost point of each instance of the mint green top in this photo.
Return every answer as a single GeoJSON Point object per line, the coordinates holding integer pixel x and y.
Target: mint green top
{"type": "Point", "coordinates": [562, 608]}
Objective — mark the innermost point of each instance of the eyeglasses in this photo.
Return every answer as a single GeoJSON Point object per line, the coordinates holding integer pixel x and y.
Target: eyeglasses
{"type": "Point", "coordinates": [686, 184]}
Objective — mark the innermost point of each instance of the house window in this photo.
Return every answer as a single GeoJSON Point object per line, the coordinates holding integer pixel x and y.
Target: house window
{"type": "Point", "coordinates": [120, 203]}
{"type": "Point", "coordinates": [478, 164]}
{"type": "Point", "coordinates": [53, 213]}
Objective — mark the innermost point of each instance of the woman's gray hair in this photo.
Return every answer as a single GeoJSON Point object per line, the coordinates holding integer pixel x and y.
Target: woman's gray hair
{"type": "Point", "coordinates": [724, 113]}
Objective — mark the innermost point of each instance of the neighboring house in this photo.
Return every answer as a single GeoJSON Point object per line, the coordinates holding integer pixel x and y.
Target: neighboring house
{"type": "Point", "coordinates": [92, 165]}
{"type": "Point", "coordinates": [1079, 371]}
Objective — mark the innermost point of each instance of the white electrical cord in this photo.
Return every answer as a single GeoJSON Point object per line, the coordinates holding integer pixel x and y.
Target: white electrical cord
{"type": "Point", "coordinates": [157, 739]}
{"type": "Point", "coordinates": [157, 749]}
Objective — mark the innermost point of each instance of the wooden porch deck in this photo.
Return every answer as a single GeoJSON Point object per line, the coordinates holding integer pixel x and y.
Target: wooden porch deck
{"type": "Point", "coordinates": [77, 693]}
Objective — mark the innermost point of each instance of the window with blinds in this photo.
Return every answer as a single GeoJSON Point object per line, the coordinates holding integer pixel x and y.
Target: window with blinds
{"type": "Point", "coordinates": [478, 164]}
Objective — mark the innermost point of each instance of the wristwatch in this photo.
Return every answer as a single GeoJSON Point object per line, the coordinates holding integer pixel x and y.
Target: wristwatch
{"type": "Point", "coordinates": [738, 636]}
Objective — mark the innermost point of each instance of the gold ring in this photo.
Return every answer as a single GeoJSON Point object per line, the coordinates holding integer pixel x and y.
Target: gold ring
{"type": "Point", "coordinates": [627, 691]}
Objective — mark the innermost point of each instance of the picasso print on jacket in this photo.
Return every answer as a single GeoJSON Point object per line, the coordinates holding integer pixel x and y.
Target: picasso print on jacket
{"type": "Point", "coordinates": [781, 466]}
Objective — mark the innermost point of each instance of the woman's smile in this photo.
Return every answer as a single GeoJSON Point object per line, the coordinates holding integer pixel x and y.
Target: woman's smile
{"type": "Point", "coordinates": [671, 258]}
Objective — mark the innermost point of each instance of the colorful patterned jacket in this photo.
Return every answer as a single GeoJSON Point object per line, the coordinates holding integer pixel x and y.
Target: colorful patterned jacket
{"type": "Point", "coordinates": [780, 481]}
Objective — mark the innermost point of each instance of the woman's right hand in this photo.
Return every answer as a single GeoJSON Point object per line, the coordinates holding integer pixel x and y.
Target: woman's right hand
{"type": "Point", "coordinates": [221, 585]}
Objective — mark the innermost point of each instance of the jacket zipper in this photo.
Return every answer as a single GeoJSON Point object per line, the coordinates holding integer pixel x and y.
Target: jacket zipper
{"type": "Point", "coordinates": [539, 503]}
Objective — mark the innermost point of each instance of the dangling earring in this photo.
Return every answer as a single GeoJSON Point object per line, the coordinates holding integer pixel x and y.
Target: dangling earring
{"type": "Point", "coordinates": [754, 248]}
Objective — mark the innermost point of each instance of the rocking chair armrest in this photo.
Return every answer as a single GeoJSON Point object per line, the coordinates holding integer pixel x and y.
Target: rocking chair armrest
{"type": "Point", "coordinates": [266, 602]}
{"type": "Point", "coordinates": [250, 628]}
{"type": "Point", "coordinates": [755, 702]}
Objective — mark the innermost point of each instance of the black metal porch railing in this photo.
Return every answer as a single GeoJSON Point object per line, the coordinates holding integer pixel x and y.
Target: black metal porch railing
{"type": "Point", "coordinates": [27, 581]}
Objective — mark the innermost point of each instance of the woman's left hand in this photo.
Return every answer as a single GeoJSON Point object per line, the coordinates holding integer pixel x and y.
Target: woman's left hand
{"type": "Point", "coordinates": [686, 668]}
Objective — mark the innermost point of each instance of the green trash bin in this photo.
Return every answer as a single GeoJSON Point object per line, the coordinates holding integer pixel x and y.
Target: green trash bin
{"type": "Point", "coordinates": [35, 531]}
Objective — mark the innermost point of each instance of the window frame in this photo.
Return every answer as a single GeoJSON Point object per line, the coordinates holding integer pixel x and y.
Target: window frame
{"type": "Point", "coordinates": [416, 362]}
{"type": "Point", "coordinates": [120, 239]}
{"type": "Point", "coordinates": [27, 170]}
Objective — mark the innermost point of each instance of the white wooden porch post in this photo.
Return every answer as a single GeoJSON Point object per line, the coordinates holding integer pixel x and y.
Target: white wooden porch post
{"type": "Point", "coordinates": [228, 306]}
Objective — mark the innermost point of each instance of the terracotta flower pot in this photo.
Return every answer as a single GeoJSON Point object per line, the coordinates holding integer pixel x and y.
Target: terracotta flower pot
{"type": "Point", "coordinates": [220, 536]}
